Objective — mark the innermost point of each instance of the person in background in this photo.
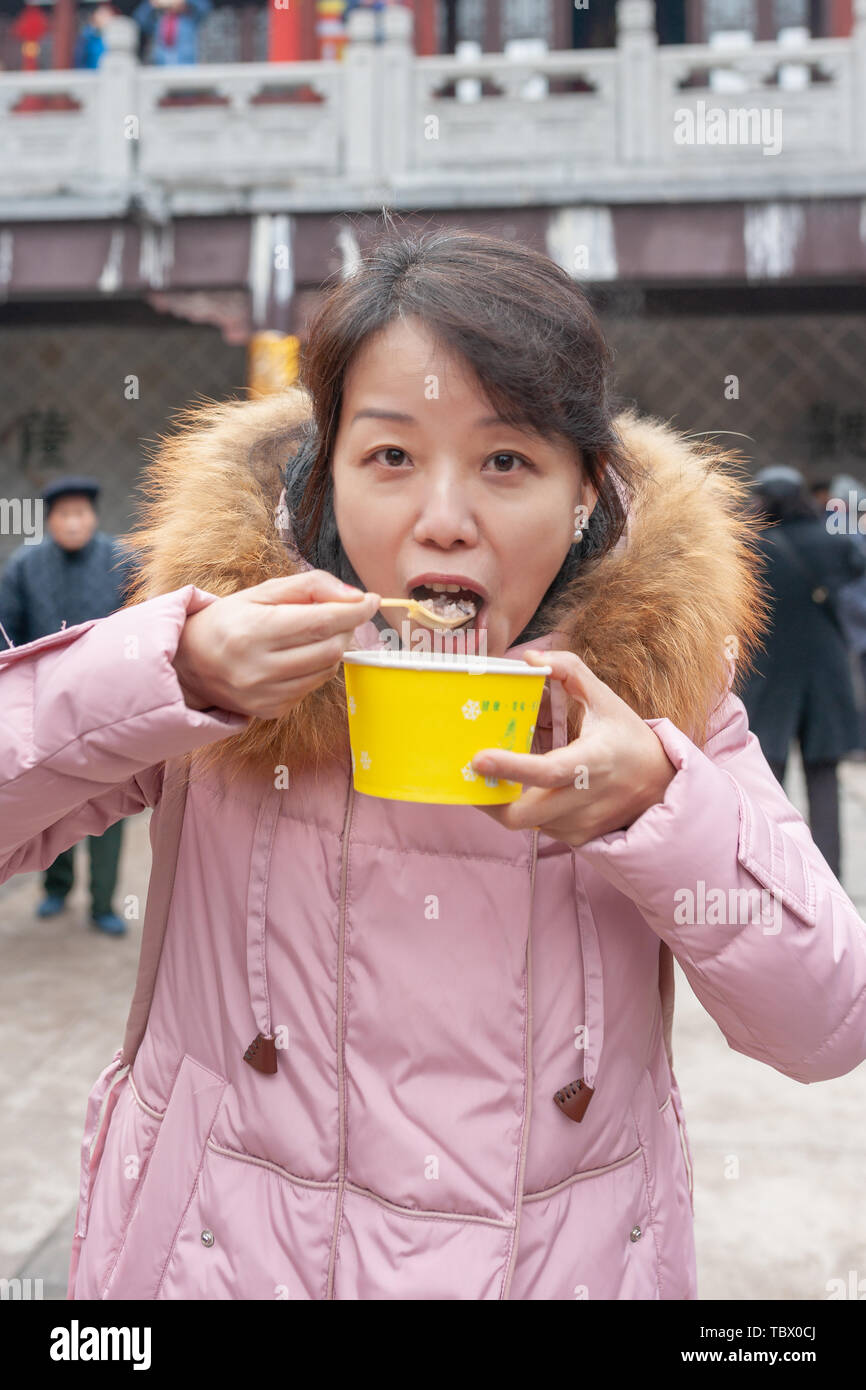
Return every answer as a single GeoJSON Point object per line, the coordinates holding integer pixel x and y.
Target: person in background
{"type": "Point", "coordinates": [76, 573]}
{"type": "Point", "coordinates": [819, 493]}
{"type": "Point", "coordinates": [845, 506]}
{"type": "Point", "coordinates": [801, 688]}
{"type": "Point", "coordinates": [172, 27]}
{"type": "Point", "coordinates": [91, 43]}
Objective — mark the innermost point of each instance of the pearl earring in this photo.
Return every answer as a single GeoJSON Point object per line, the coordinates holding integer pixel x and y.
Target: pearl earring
{"type": "Point", "coordinates": [578, 523]}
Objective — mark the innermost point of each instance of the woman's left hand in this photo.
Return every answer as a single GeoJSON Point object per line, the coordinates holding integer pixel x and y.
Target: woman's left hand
{"type": "Point", "coordinates": [614, 771]}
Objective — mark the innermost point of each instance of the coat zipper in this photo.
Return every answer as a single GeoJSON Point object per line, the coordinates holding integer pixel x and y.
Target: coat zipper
{"type": "Point", "coordinates": [341, 1077]}
{"type": "Point", "coordinates": [524, 1138]}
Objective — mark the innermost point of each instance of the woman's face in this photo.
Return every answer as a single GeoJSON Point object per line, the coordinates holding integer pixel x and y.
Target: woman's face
{"type": "Point", "coordinates": [429, 486]}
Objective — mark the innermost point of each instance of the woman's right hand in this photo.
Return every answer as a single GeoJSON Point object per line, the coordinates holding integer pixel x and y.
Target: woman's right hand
{"type": "Point", "coordinates": [261, 650]}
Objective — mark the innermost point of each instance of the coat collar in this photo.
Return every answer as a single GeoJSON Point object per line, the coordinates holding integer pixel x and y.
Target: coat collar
{"type": "Point", "coordinates": [658, 618]}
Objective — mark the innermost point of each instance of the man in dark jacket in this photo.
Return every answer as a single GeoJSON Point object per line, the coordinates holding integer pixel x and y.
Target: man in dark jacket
{"type": "Point", "coordinates": [801, 689]}
{"type": "Point", "coordinates": [75, 573]}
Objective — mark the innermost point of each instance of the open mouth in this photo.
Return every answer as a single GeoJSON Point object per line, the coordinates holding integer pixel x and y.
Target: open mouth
{"type": "Point", "coordinates": [449, 601]}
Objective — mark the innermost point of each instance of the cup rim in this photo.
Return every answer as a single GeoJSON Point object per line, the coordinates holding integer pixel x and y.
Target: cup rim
{"type": "Point", "coordinates": [446, 661]}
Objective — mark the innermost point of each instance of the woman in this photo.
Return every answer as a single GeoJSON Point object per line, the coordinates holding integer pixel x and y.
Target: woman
{"type": "Point", "coordinates": [801, 688]}
{"type": "Point", "coordinates": [393, 1050]}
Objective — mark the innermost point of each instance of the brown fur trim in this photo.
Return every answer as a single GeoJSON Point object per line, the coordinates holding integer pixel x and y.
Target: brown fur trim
{"type": "Point", "coordinates": [654, 618]}
{"type": "Point", "coordinates": [657, 618]}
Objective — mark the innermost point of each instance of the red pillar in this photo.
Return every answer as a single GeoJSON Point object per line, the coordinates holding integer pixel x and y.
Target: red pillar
{"type": "Point", "coordinates": [562, 11]}
{"type": "Point", "coordinates": [64, 30]}
{"type": "Point", "coordinates": [840, 20]}
{"type": "Point", "coordinates": [766, 25]}
{"type": "Point", "coordinates": [309, 37]}
{"type": "Point", "coordinates": [284, 32]}
{"type": "Point", "coordinates": [248, 33]}
{"type": "Point", "coordinates": [694, 21]}
{"type": "Point", "coordinates": [492, 38]}
{"type": "Point", "coordinates": [425, 28]}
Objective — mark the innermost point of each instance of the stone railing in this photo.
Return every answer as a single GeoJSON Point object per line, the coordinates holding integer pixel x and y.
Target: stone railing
{"type": "Point", "coordinates": [634, 123]}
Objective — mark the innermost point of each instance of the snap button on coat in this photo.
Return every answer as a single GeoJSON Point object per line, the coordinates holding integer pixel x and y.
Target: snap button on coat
{"type": "Point", "coordinates": [636, 1233]}
{"type": "Point", "coordinates": [207, 1238]}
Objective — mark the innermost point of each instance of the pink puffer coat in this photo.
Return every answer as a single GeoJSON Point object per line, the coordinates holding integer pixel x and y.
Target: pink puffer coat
{"type": "Point", "coordinates": [408, 1144]}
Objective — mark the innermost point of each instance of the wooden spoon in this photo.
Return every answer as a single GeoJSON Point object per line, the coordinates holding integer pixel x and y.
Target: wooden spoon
{"type": "Point", "coordinates": [420, 610]}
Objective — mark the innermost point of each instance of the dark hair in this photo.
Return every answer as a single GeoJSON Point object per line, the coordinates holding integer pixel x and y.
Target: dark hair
{"type": "Point", "coordinates": [527, 331]}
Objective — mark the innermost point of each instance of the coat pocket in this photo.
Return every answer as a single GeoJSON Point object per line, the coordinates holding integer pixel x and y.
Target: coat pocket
{"type": "Point", "coordinates": [169, 1183]}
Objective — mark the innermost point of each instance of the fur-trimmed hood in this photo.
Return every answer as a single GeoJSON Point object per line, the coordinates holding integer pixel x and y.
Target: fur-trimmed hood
{"type": "Point", "coordinates": [657, 619]}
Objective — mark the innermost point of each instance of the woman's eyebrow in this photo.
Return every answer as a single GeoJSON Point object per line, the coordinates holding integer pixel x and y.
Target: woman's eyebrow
{"type": "Point", "coordinates": [376, 414]}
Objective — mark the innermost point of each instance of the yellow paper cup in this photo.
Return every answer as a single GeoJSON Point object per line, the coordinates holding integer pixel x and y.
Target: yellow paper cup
{"type": "Point", "coordinates": [416, 719]}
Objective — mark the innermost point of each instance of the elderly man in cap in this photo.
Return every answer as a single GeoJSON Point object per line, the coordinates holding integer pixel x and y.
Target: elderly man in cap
{"type": "Point", "coordinates": [75, 573]}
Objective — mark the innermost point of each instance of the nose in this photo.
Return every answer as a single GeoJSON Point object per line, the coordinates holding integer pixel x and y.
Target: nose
{"type": "Point", "coordinates": [446, 514]}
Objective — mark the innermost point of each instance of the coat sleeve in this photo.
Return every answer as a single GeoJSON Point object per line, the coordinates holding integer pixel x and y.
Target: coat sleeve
{"type": "Point", "coordinates": [88, 716]}
{"type": "Point", "coordinates": [726, 872]}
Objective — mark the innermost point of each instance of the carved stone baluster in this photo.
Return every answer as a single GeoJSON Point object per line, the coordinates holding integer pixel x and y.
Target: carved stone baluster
{"type": "Point", "coordinates": [117, 102]}
{"type": "Point", "coordinates": [361, 153]}
{"type": "Point", "coordinates": [638, 65]}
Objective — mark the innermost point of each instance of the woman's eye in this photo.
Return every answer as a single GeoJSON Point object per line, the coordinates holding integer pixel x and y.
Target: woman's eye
{"type": "Point", "coordinates": [386, 452]}
{"type": "Point", "coordinates": [497, 457]}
